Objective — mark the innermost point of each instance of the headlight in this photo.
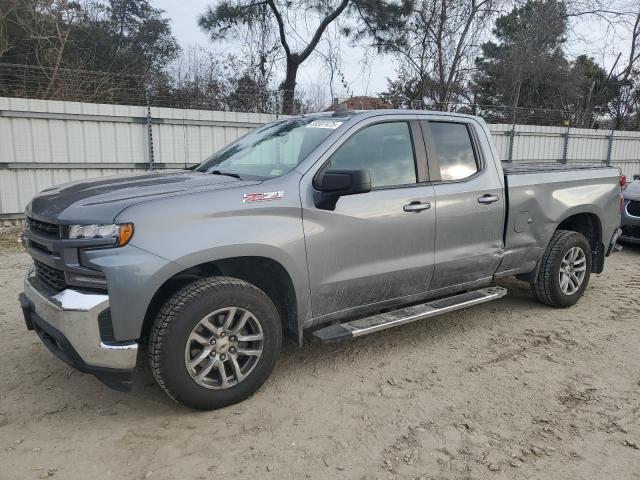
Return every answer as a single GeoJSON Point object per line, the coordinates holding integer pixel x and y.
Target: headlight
{"type": "Point", "coordinates": [123, 232]}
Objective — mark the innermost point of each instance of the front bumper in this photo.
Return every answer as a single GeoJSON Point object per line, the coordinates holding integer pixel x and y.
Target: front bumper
{"type": "Point", "coordinates": [630, 235]}
{"type": "Point", "coordinates": [67, 323]}
{"type": "Point", "coordinates": [630, 226]}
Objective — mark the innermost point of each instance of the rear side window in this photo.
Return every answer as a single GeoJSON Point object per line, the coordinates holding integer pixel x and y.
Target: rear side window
{"type": "Point", "coordinates": [385, 149]}
{"type": "Point", "coordinates": [454, 150]}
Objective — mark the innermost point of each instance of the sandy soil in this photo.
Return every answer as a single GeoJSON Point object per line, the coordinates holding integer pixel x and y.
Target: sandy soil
{"type": "Point", "coordinates": [510, 389]}
{"type": "Point", "coordinates": [10, 239]}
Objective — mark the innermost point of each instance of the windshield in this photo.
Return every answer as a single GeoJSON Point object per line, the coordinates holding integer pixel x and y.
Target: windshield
{"type": "Point", "coordinates": [271, 150]}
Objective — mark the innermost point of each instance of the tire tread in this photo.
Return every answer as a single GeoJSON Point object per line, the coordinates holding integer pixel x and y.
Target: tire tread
{"type": "Point", "coordinates": [543, 285]}
{"type": "Point", "coordinates": [167, 316]}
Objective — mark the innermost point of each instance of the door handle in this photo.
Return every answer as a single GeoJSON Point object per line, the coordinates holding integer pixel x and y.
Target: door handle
{"type": "Point", "coordinates": [416, 207]}
{"type": "Point", "coordinates": [488, 198]}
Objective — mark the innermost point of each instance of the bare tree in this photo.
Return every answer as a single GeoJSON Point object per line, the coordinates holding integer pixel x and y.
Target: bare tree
{"type": "Point", "coordinates": [312, 97]}
{"type": "Point", "coordinates": [438, 48]}
{"type": "Point", "coordinates": [285, 17]}
{"type": "Point", "coordinates": [47, 25]}
{"type": "Point", "coordinates": [627, 101]}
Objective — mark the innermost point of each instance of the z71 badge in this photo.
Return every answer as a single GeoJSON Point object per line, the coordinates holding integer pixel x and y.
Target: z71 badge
{"type": "Point", "coordinates": [262, 197]}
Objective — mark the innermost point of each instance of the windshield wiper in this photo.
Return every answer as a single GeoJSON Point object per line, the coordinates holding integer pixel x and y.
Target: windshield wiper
{"type": "Point", "coordinates": [226, 174]}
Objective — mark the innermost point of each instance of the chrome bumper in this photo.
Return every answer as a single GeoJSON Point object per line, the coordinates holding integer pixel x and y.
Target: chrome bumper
{"type": "Point", "coordinates": [74, 315]}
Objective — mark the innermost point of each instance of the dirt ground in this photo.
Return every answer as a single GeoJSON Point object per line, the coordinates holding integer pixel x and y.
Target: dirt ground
{"type": "Point", "coordinates": [509, 389]}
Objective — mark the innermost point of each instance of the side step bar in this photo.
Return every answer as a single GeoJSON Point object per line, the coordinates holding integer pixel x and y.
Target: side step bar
{"type": "Point", "coordinates": [381, 321]}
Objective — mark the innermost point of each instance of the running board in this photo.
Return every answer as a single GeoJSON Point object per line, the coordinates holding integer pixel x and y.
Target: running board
{"type": "Point", "coordinates": [381, 321]}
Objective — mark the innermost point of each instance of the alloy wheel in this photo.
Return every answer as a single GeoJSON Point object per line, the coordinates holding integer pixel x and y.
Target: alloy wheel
{"type": "Point", "coordinates": [224, 348]}
{"type": "Point", "coordinates": [572, 270]}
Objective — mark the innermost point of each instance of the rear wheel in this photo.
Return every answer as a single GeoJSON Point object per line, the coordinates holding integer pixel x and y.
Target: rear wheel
{"type": "Point", "coordinates": [215, 342]}
{"type": "Point", "coordinates": [565, 269]}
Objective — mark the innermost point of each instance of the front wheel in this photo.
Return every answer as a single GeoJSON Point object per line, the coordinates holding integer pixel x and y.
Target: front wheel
{"type": "Point", "coordinates": [215, 342]}
{"type": "Point", "coordinates": [565, 269]}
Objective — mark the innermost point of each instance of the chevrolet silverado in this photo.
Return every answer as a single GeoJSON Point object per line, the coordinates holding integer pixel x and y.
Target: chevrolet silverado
{"type": "Point", "coordinates": [322, 227]}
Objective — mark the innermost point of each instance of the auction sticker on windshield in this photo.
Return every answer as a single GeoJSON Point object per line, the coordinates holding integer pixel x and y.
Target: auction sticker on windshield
{"type": "Point", "coordinates": [331, 124]}
{"type": "Point", "coordinates": [262, 197]}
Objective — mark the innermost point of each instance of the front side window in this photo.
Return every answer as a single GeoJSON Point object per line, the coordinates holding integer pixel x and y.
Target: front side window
{"type": "Point", "coordinates": [454, 150]}
{"type": "Point", "coordinates": [385, 149]}
{"type": "Point", "coordinates": [271, 150]}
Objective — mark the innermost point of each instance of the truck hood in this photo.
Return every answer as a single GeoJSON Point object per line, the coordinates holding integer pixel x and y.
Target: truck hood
{"type": "Point", "coordinates": [102, 199]}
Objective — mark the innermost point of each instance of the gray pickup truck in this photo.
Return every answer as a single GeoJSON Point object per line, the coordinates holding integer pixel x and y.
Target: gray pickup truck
{"type": "Point", "coordinates": [324, 227]}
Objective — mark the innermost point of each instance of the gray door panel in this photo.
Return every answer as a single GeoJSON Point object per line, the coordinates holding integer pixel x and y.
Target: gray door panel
{"type": "Point", "coordinates": [376, 246]}
{"type": "Point", "coordinates": [469, 233]}
{"type": "Point", "coordinates": [369, 249]}
{"type": "Point", "coordinates": [469, 205]}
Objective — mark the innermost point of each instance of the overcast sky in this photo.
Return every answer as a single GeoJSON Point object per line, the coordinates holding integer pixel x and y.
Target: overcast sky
{"type": "Point", "coordinates": [590, 37]}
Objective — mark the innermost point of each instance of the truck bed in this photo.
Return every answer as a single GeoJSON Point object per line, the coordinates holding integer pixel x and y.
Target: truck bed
{"type": "Point", "coordinates": [540, 196]}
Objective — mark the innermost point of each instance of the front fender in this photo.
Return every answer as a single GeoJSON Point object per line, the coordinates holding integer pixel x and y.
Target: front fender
{"type": "Point", "coordinates": [290, 263]}
{"type": "Point", "coordinates": [209, 226]}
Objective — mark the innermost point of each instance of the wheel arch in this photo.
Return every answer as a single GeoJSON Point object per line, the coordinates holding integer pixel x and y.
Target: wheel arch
{"type": "Point", "coordinates": [589, 225]}
{"type": "Point", "coordinates": [267, 274]}
{"type": "Point", "coordinates": [586, 222]}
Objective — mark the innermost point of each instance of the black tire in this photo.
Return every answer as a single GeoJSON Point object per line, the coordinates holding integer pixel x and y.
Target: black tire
{"type": "Point", "coordinates": [546, 289]}
{"type": "Point", "coordinates": [179, 316]}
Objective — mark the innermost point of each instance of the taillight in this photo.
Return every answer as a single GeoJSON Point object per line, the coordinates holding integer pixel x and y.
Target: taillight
{"type": "Point", "coordinates": [623, 180]}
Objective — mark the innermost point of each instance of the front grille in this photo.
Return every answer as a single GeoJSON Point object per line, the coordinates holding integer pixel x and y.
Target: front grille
{"type": "Point", "coordinates": [37, 246]}
{"type": "Point", "coordinates": [52, 277]}
{"type": "Point", "coordinates": [44, 227]}
{"type": "Point", "coordinates": [633, 208]}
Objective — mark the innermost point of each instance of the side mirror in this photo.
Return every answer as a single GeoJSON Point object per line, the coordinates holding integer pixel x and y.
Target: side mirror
{"type": "Point", "coordinates": [334, 184]}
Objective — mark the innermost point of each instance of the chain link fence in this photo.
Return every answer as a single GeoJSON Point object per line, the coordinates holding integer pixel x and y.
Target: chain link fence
{"type": "Point", "coordinates": [502, 114]}
{"type": "Point", "coordinates": [211, 92]}
{"type": "Point", "coordinates": [153, 90]}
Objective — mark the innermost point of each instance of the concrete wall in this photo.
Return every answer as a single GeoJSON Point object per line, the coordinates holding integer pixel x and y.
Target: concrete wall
{"type": "Point", "coordinates": [44, 142]}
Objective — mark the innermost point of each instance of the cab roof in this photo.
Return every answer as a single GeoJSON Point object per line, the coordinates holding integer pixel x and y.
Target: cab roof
{"type": "Point", "coordinates": [361, 114]}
